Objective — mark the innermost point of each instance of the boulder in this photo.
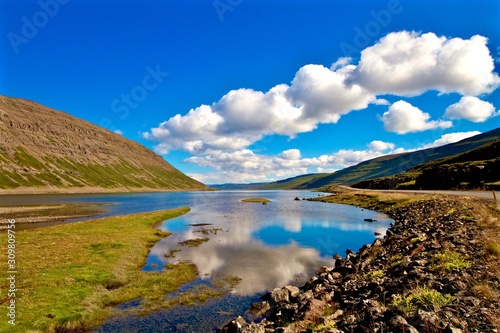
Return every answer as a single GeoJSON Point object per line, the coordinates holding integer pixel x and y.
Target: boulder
{"type": "Point", "coordinates": [259, 309]}
{"type": "Point", "coordinates": [398, 324]}
{"type": "Point", "coordinates": [293, 291]}
{"type": "Point", "coordinates": [234, 326]}
{"type": "Point", "coordinates": [278, 295]}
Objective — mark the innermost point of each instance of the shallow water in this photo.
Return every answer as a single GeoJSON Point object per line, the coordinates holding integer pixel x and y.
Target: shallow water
{"type": "Point", "coordinates": [267, 246]}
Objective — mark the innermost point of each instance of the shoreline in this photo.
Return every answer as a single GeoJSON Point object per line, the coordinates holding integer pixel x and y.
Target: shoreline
{"type": "Point", "coordinates": [436, 270]}
{"type": "Point", "coordinates": [90, 190]}
{"type": "Point", "coordinates": [49, 213]}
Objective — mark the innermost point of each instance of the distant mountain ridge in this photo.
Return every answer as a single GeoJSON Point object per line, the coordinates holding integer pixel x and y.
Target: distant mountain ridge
{"type": "Point", "coordinates": [474, 169]}
{"type": "Point", "coordinates": [44, 150]}
{"type": "Point", "coordinates": [384, 166]}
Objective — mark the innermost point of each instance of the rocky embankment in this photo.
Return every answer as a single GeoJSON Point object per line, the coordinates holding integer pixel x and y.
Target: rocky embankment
{"type": "Point", "coordinates": [432, 272]}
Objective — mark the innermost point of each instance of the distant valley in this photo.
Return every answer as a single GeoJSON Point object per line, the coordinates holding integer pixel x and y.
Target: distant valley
{"type": "Point", "coordinates": [471, 163]}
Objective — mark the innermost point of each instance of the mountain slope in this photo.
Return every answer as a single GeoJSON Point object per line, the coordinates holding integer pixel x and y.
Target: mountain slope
{"type": "Point", "coordinates": [44, 150]}
{"type": "Point", "coordinates": [474, 169]}
{"type": "Point", "coordinates": [385, 166]}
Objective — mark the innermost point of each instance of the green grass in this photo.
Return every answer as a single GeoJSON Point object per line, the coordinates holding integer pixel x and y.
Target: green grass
{"type": "Point", "coordinates": [70, 276]}
{"type": "Point", "coordinates": [448, 261]}
{"type": "Point", "coordinates": [259, 200]}
{"type": "Point", "coordinates": [26, 160]}
{"type": "Point", "coordinates": [421, 297]}
{"type": "Point", "coordinates": [415, 240]}
{"type": "Point", "coordinates": [194, 242]}
{"type": "Point", "coordinates": [383, 202]}
{"type": "Point", "coordinates": [375, 274]}
{"type": "Point", "coordinates": [397, 260]}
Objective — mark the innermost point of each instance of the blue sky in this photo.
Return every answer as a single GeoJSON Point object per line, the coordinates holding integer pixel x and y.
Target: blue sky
{"type": "Point", "coordinates": [245, 91]}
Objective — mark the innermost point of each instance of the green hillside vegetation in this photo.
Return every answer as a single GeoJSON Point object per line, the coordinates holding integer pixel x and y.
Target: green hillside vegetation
{"type": "Point", "coordinates": [299, 182]}
{"type": "Point", "coordinates": [384, 166]}
{"type": "Point", "coordinates": [475, 169]}
{"type": "Point", "coordinates": [44, 150]}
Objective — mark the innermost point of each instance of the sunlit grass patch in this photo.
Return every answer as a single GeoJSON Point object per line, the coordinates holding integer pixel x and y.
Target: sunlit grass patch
{"type": "Point", "coordinates": [71, 276]}
{"type": "Point", "coordinates": [375, 274]}
{"type": "Point", "coordinates": [421, 297]}
{"type": "Point", "coordinates": [448, 261]}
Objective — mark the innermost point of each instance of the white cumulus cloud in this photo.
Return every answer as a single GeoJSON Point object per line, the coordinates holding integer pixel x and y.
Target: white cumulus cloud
{"type": "Point", "coordinates": [404, 63]}
{"type": "Point", "coordinates": [243, 116]}
{"type": "Point", "coordinates": [402, 118]}
{"type": "Point", "coordinates": [401, 63]}
{"type": "Point", "coordinates": [450, 138]}
{"type": "Point", "coordinates": [247, 166]}
{"type": "Point", "coordinates": [409, 64]}
{"type": "Point", "coordinates": [471, 108]}
{"type": "Point", "coordinates": [378, 145]}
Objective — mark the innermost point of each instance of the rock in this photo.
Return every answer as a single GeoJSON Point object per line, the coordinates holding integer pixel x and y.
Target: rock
{"type": "Point", "coordinates": [399, 325]}
{"type": "Point", "coordinates": [307, 295]}
{"type": "Point", "coordinates": [286, 313]}
{"type": "Point", "coordinates": [259, 308]}
{"type": "Point", "coordinates": [451, 329]}
{"type": "Point", "coordinates": [293, 291]}
{"type": "Point", "coordinates": [336, 315]}
{"type": "Point", "coordinates": [234, 326]}
{"type": "Point", "coordinates": [297, 199]}
{"type": "Point", "coordinates": [279, 295]}
{"type": "Point", "coordinates": [324, 269]}
{"type": "Point", "coordinates": [453, 287]}
{"type": "Point", "coordinates": [424, 320]}
{"type": "Point", "coordinates": [313, 310]}
{"type": "Point", "coordinates": [375, 307]}
{"type": "Point", "coordinates": [359, 285]}
{"type": "Point", "coordinates": [253, 328]}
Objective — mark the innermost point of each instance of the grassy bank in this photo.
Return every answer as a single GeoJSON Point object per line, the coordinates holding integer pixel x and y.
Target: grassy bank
{"type": "Point", "coordinates": [47, 212]}
{"type": "Point", "coordinates": [70, 276]}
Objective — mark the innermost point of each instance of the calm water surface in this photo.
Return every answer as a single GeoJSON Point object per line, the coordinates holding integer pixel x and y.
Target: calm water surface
{"type": "Point", "coordinates": [267, 246]}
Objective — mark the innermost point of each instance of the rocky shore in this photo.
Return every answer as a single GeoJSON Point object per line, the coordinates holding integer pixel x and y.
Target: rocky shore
{"type": "Point", "coordinates": [434, 271]}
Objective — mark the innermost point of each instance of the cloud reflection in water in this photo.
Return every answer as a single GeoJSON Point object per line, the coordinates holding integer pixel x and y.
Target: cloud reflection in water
{"type": "Point", "coordinates": [266, 245]}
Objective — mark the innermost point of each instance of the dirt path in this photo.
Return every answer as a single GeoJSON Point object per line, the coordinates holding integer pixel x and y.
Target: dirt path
{"type": "Point", "coordinates": [477, 194]}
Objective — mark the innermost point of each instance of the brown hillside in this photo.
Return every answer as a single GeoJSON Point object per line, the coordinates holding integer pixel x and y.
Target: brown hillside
{"type": "Point", "coordinates": [44, 150]}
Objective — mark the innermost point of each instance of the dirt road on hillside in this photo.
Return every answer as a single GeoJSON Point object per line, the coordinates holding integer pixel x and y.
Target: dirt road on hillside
{"type": "Point", "coordinates": [478, 194]}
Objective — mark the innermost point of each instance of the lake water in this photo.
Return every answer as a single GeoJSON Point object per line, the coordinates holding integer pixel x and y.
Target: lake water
{"type": "Point", "coordinates": [267, 246]}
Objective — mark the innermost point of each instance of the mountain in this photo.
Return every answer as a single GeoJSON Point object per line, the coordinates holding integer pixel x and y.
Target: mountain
{"type": "Point", "coordinates": [43, 150]}
{"type": "Point", "coordinates": [384, 166]}
{"type": "Point", "coordinates": [474, 169]}
{"type": "Point", "coordinates": [237, 186]}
